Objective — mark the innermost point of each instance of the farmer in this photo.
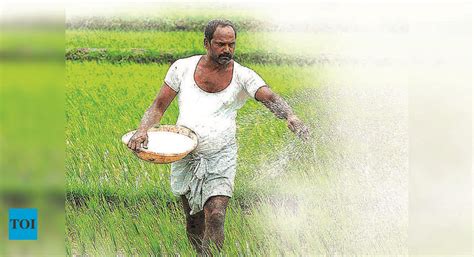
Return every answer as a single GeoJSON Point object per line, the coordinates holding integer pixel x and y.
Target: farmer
{"type": "Point", "coordinates": [210, 89]}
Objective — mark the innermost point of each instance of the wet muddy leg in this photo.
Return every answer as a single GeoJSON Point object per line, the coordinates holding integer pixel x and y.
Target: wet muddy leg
{"type": "Point", "coordinates": [214, 212]}
{"type": "Point", "coordinates": [195, 226]}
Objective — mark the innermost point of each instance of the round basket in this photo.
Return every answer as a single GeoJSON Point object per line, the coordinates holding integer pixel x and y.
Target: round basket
{"type": "Point", "coordinates": [161, 158]}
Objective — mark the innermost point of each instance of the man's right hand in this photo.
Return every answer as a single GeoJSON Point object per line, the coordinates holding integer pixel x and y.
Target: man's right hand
{"type": "Point", "coordinates": [298, 127]}
{"type": "Point", "coordinates": [140, 137]}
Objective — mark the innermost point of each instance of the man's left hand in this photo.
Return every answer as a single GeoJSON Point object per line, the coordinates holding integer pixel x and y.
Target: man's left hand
{"type": "Point", "coordinates": [297, 127]}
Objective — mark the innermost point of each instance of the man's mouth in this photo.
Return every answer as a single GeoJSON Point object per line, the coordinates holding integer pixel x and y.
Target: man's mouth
{"type": "Point", "coordinates": [226, 57]}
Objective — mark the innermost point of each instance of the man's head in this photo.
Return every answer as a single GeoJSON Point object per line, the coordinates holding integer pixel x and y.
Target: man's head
{"type": "Point", "coordinates": [219, 40]}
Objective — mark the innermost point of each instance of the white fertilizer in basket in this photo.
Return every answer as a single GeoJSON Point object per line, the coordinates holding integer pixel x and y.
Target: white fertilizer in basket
{"type": "Point", "coordinates": [164, 142]}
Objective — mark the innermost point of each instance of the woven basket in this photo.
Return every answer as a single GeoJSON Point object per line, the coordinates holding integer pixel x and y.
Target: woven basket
{"type": "Point", "coordinates": [147, 155]}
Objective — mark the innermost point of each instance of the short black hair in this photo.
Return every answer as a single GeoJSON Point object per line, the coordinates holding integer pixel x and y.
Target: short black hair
{"type": "Point", "coordinates": [212, 26]}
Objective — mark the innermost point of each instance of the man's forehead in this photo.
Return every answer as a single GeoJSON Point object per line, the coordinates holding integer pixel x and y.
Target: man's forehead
{"type": "Point", "coordinates": [224, 32]}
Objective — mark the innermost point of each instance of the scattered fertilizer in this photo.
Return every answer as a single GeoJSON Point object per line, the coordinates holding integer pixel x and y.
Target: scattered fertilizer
{"type": "Point", "coordinates": [164, 142]}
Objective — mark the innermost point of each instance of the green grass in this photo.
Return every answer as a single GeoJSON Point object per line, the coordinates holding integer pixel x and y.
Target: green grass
{"type": "Point", "coordinates": [31, 92]}
{"type": "Point", "coordinates": [185, 21]}
{"type": "Point", "coordinates": [105, 100]}
{"type": "Point", "coordinates": [290, 48]}
{"type": "Point", "coordinates": [32, 151]}
{"type": "Point", "coordinates": [32, 39]}
{"type": "Point", "coordinates": [179, 42]}
{"type": "Point", "coordinates": [119, 204]}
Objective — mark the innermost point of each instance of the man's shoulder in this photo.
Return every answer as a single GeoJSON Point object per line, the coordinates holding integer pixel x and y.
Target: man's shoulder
{"type": "Point", "coordinates": [239, 66]}
{"type": "Point", "coordinates": [241, 70]}
{"type": "Point", "coordinates": [187, 60]}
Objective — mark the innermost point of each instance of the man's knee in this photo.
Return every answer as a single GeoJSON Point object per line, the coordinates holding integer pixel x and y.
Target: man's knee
{"type": "Point", "coordinates": [195, 221]}
{"type": "Point", "coordinates": [214, 210]}
{"type": "Point", "coordinates": [216, 217]}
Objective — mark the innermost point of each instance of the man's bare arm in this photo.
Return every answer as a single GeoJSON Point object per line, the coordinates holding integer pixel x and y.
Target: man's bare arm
{"type": "Point", "coordinates": [154, 113]}
{"type": "Point", "coordinates": [282, 110]}
{"type": "Point", "coordinates": [273, 102]}
{"type": "Point", "coordinates": [152, 116]}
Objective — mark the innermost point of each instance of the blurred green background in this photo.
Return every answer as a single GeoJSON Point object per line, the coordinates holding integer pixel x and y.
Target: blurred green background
{"type": "Point", "coordinates": [32, 151]}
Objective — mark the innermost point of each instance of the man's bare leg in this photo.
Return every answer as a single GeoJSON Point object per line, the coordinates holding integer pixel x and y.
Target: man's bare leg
{"type": "Point", "coordinates": [195, 225]}
{"type": "Point", "coordinates": [214, 212]}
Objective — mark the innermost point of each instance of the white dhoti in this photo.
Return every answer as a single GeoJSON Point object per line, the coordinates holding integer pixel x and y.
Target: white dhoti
{"type": "Point", "coordinates": [199, 176]}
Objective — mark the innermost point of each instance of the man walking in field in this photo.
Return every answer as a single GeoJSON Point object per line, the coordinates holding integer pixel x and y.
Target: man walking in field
{"type": "Point", "coordinates": [210, 89]}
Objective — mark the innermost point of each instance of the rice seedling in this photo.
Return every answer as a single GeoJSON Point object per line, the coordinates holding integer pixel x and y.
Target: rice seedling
{"type": "Point", "coordinates": [130, 200]}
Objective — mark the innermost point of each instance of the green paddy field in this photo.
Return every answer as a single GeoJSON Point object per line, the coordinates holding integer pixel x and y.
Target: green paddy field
{"type": "Point", "coordinates": [117, 204]}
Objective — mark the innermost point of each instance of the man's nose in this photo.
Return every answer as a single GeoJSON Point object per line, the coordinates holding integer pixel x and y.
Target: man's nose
{"type": "Point", "coordinates": [226, 49]}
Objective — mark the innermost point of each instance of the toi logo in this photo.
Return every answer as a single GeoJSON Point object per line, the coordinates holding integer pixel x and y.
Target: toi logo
{"type": "Point", "coordinates": [23, 224]}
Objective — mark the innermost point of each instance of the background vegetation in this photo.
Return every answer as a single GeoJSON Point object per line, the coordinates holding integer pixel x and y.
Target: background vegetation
{"type": "Point", "coordinates": [117, 203]}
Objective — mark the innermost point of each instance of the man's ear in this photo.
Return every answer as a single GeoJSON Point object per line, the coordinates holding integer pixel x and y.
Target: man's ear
{"type": "Point", "coordinates": [206, 43]}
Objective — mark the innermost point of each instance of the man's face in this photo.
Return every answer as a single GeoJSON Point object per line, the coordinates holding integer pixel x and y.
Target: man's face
{"type": "Point", "coordinates": [222, 46]}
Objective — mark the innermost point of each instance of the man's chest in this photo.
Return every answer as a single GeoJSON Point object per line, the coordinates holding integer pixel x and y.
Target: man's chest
{"type": "Point", "coordinates": [213, 82]}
